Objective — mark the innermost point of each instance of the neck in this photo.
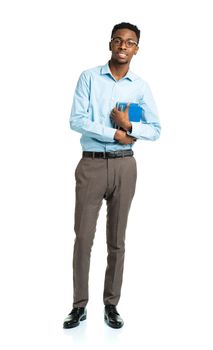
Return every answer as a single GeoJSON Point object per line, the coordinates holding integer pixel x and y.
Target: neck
{"type": "Point", "coordinates": [118, 70]}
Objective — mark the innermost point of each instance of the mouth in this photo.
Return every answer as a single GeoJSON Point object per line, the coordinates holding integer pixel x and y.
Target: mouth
{"type": "Point", "coordinates": [121, 55]}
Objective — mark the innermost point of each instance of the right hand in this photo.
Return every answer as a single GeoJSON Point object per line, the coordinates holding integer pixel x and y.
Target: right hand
{"type": "Point", "coordinates": [122, 137]}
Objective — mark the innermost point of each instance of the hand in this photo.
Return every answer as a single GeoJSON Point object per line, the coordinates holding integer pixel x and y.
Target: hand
{"type": "Point", "coordinates": [122, 137]}
{"type": "Point", "coordinates": [121, 118]}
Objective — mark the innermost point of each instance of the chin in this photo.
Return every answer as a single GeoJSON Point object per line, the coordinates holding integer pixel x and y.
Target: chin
{"type": "Point", "coordinates": [122, 62]}
{"type": "Point", "coordinates": [119, 62]}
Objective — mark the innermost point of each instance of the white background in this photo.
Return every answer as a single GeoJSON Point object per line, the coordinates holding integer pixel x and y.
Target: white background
{"type": "Point", "coordinates": [167, 290]}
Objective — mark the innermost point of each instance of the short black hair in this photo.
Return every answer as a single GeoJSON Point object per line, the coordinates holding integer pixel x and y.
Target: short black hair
{"type": "Point", "coordinates": [125, 25]}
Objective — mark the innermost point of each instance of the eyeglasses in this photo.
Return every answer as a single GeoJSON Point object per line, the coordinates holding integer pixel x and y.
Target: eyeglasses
{"type": "Point", "coordinates": [128, 43]}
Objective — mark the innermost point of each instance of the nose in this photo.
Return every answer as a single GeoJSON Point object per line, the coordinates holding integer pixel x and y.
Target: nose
{"type": "Point", "coordinates": [123, 45]}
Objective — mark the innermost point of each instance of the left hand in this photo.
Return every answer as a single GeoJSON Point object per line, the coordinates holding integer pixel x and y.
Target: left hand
{"type": "Point", "coordinates": [121, 118]}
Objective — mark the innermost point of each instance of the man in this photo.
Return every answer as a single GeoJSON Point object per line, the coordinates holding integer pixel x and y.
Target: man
{"type": "Point", "coordinates": [107, 169]}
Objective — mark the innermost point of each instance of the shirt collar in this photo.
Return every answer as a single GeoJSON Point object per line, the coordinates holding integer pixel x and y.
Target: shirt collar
{"type": "Point", "coordinates": [106, 70]}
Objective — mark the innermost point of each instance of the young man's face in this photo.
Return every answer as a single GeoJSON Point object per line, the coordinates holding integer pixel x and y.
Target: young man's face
{"type": "Point", "coordinates": [123, 46]}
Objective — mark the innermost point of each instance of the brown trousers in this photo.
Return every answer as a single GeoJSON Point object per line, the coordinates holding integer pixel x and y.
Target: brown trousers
{"type": "Point", "coordinates": [96, 179]}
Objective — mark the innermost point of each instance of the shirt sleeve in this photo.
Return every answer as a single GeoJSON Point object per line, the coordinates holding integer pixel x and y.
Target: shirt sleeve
{"type": "Point", "coordinates": [80, 119]}
{"type": "Point", "coordinates": [149, 128]}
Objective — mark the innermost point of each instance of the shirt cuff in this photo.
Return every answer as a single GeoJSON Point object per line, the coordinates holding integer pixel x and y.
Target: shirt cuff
{"type": "Point", "coordinates": [109, 134]}
{"type": "Point", "coordinates": [136, 130]}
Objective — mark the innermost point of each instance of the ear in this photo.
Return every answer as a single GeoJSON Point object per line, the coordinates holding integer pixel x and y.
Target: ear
{"type": "Point", "coordinates": [110, 46]}
{"type": "Point", "coordinates": [136, 50]}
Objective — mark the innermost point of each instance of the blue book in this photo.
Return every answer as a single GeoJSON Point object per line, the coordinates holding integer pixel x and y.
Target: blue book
{"type": "Point", "coordinates": [135, 111]}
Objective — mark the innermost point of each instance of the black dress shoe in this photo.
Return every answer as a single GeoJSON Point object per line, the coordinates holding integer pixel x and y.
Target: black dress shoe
{"type": "Point", "coordinates": [75, 316]}
{"type": "Point", "coordinates": [112, 317]}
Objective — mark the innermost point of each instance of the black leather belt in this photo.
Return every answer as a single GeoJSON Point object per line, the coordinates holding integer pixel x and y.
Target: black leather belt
{"type": "Point", "coordinates": [115, 154]}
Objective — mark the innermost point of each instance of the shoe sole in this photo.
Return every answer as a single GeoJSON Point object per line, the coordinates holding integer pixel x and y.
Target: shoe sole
{"type": "Point", "coordinates": [76, 324]}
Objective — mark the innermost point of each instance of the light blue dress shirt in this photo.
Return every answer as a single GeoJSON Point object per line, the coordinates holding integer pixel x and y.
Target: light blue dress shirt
{"type": "Point", "coordinates": [95, 96]}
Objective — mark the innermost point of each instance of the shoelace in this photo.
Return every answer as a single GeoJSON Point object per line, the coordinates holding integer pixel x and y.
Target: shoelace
{"type": "Point", "coordinates": [75, 311]}
{"type": "Point", "coordinates": [112, 310]}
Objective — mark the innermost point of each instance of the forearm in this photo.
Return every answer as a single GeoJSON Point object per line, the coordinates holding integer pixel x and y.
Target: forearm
{"type": "Point", "coordinates": [84, 125]}
{"type": "Point", "coordinates": [145, 131]}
